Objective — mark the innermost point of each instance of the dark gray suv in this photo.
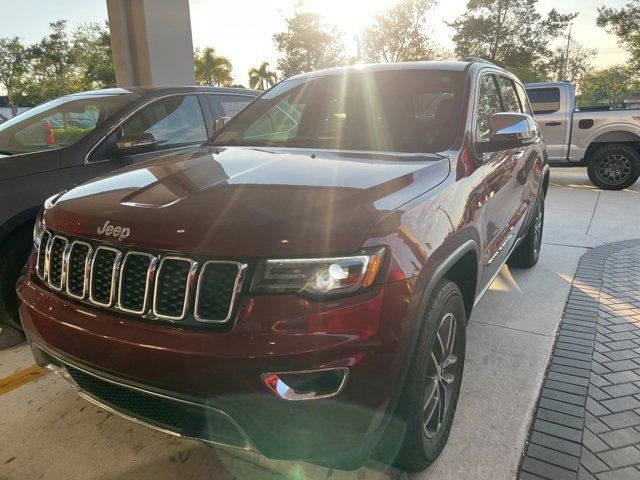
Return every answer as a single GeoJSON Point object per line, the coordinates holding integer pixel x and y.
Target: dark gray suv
{"type": "Point", "coordinates": [72, 139]}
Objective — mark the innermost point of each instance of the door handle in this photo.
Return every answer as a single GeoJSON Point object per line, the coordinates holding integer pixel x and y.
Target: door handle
{"type": "Point", "coordinates": [513, 161]}
{"type": "Point", "coordinates": [553, 124]}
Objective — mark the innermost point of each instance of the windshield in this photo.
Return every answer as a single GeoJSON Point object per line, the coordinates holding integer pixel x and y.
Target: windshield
{"type": "Point", "coordinates": [59, 123]}
{"type": "Point", "coordinates": [413, 111]}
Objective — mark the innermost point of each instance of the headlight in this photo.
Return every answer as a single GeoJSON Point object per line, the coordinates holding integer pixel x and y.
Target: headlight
{"type": "Point", "coordinates": [319, 276]}
{"type": "Point", "coordinates": [38, 229]}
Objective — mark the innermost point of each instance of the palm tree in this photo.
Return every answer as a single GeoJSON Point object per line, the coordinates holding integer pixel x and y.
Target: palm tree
{"type": "Point", "coordinates": [212, 69]}
{"type": "Point", "coordinates": [261, 77]}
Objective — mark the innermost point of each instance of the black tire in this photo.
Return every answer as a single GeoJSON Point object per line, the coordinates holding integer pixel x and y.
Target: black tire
{"type": "Point", "coordinates": [14, 252]}
{"type": "Point", "coordinates": [614, 167]}
{"type": "Point", "coordinates": [527, 254]}
{"type": "Point", "coordinates": [423, 442]}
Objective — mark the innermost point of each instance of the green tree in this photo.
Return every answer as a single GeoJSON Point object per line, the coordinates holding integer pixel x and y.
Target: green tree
{"type": "Point", "coordinates": [59, 64]}
{"type": "Point", "coordinates": [625, 24]}
{"type": "Point", "coordinates": [308, 44]}
{"type": "Point", "coordinates": [52, 66]}
{"type": "Point", "coordinates": [608, 86]}
{"type": "Point", "coordinates": [262, 78]}
{"type": "Point", "coordinates": [212, 69]}
{"type": "Point", "coordinates": [509, 33]}
{"type": "Point", "coordinates": [399, 34]}
{"type": "Point", "coordinates": [13, 66]}
{"type": "Point", "coordinates": [91, 50]}
{"type": "Point", "coordinates": [579, 65]}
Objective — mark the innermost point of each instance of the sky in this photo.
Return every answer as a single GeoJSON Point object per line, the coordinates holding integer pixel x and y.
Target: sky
{"type": "Point", "coordinates": [242, 30]}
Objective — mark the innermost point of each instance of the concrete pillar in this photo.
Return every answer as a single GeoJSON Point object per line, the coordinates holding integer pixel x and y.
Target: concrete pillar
{"type": "Point", "coordinates": [151, 42]}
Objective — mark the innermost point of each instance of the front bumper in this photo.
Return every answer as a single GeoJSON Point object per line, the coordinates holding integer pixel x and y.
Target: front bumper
{"type": "Point", "coordinates": [217, 377]}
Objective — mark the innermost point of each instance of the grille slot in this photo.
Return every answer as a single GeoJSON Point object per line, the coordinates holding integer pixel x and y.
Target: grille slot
{"type": "Point", "coordinates": [134, 281]}
{"type": "Point", "coordinates": [56, 261]}
{"type": "Point", "coordinates": [216, 292]}
{"type": "Point", "coordinates": [42, 254]}
{"type": "Point", "coordinates": [103, 271]}
{"type": "Point", "coordinates": [171, 293]}
{"type": "Point", "coordinates": [78, 269]}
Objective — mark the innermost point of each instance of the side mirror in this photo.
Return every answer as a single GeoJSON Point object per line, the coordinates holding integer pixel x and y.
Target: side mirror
{"type": "Point", "coordinates": [219, 123]}
{"type": "Point", "coordinates": [509, 130]}
{"type": "Point", "coordinates": [136, 143]}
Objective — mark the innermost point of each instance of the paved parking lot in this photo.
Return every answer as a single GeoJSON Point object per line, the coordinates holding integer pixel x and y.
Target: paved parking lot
{"type": "Point", "coordinates": [48, 432]}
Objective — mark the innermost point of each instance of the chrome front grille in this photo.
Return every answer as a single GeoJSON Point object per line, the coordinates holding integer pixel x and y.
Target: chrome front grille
{"type": "Point", "coordinates": [153, 285]}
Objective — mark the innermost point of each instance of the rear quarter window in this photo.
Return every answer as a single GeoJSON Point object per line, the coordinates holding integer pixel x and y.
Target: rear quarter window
{"type": "Point", "coordinates": [544, 100]}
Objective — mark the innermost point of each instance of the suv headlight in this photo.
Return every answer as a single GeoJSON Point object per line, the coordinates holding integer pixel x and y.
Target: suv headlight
{"type": "Point", "coordinates": [319, 276]}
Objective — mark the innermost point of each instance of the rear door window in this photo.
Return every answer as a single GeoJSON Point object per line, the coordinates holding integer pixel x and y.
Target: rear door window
{"type": "Point", "coordinates": [544, 100]}
{"type": "Point", "coordinates": [228, 105]}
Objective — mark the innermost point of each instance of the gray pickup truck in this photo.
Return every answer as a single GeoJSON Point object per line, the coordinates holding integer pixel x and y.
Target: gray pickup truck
{"type": "Point", "coordinates": [606, 141]}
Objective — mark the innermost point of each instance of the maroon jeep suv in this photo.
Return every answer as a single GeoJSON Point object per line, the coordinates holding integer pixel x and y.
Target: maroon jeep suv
{"type": "Point", "coordinates": [300, 284]}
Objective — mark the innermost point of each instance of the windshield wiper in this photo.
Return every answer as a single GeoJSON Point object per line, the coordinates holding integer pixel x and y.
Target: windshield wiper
{"type": "Point", "coordinates": [6, 152]}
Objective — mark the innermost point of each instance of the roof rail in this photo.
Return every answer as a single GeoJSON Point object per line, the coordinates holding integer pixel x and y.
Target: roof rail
{"type": "Point", "coordinates": [478, 60]}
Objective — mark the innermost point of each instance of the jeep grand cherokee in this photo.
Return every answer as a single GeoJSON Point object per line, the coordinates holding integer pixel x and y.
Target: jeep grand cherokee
{"type": "Point", "coordinates": [301, 284]}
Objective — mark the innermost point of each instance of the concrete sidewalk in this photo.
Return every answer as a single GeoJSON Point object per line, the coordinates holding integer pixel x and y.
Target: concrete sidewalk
{"type": "Point", "coordinates": [47, 430]}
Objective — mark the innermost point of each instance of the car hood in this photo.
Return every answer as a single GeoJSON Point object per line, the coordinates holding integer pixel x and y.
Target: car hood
{"type": "Point", "coordinates": [246, 201]}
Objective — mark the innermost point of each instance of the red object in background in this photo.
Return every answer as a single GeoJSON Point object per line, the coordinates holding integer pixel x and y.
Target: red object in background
{"type": "Point", "coordinates": [48, 133]}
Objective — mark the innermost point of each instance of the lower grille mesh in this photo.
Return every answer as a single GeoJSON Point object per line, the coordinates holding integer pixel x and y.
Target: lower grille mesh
{"type": "Point", "coordinates": [186, 419]}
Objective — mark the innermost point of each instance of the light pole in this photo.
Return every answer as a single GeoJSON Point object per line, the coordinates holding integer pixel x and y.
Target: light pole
{"type": "Point", "coordinates": [566, 55]}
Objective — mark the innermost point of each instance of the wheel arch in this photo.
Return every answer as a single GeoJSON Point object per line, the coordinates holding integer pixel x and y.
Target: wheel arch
{"type": "Point", "coordinates": [613, 135]}
{"type": "Point", "coordinates": [545, 180]}
{"type": "Point", "coordinates": [455, 268]}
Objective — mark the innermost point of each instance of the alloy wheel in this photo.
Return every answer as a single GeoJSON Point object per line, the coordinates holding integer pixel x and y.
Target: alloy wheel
{"type": "Point", "coordinates": [614, 168]}
{"type": "Point", "coordinates": [441, 376]}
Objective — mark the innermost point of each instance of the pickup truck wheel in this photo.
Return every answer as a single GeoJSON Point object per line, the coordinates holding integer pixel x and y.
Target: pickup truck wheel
{"type": "Point", "coordinates": [14, 252]}
{"type": "Point", "coordinates": [430, 395]}
{"type": "Point", "coordinates": [527, 254]}
{"type": "Point", "coordinates": [614, 167]}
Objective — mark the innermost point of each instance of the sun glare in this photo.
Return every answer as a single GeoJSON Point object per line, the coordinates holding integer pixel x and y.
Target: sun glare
{"type": "Point", "coordinates": [350, 16]}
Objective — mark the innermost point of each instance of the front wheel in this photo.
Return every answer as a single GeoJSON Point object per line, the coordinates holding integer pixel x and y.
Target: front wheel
{"type": "Point", "coordinates": [614, 167]}
{"type": "Point", "coordinates": [430, 395]}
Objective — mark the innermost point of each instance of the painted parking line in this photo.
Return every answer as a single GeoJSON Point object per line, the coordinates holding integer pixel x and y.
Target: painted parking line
{"type": "Point", "coordinates": [21, 377]}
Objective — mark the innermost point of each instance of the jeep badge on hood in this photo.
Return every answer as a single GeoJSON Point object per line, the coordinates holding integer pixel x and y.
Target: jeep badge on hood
{"type": "Point", "coordinates": [119, 232]}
